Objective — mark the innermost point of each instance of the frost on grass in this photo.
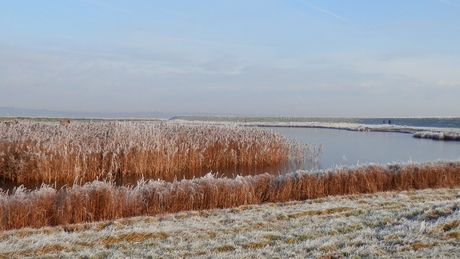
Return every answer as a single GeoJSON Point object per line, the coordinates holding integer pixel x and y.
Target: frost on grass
{"type": "Point", "coordinates": [438, 135]}
{"type": "Point", "coordinates": [408, 224]}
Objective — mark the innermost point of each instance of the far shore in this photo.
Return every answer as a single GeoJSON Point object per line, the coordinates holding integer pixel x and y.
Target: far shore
{"type": "Point", "coordinates": [417, 132]}
{"type": "Point", "coordinates": [446, 134]}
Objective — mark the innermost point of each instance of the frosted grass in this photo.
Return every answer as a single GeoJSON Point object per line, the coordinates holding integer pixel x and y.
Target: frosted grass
{"type": "Point", "coordinates": [408, 224]}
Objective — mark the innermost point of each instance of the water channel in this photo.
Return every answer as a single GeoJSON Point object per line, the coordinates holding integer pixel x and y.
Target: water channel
{"type": "Point", "coordinates": [345, 147]}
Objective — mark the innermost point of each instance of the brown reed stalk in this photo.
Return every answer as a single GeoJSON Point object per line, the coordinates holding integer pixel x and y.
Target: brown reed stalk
{"type": "Point", "coordinates": [102, 200]}
{"type": "Point", "coordinates": [88, 151]}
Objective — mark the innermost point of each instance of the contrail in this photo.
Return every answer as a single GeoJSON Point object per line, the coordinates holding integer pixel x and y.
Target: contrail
{"type": "Point", "coordinates": [327, 12]}
{"type": "Point", "coordinates": [338, 17]}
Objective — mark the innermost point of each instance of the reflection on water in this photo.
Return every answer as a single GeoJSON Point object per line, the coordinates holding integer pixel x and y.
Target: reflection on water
{"type": "Point", "coordinates": [344, 147]}
{"type": "Point", "coordinates": [229, 172]}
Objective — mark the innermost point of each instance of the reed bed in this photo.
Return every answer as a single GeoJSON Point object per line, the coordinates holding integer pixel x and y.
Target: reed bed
{"type": "Point", "coordinates": [85, 151]}
{"type": "Point", "coordinates": [102, 200]}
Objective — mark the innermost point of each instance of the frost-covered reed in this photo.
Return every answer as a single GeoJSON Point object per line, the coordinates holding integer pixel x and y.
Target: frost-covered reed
{"type": "Point", "coordinates": [438, 135]}
{"type": "Point", "coordinates": [101, 200]}
{"type": "Point", "coordinates": [86, 151]}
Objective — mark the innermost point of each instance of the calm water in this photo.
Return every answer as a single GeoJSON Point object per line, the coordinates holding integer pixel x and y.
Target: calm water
{"type": "Point", "coordinates": [343, 147]}
{"type": "Point", "coordinates": [437, 122]}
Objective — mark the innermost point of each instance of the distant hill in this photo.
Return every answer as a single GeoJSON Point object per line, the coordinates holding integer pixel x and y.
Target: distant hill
{"type": "Point", "coordinates": [19, 112]}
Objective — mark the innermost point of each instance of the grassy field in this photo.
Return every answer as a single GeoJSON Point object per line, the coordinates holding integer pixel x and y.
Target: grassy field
{"type": "Point", "coordinates": [406, 224]}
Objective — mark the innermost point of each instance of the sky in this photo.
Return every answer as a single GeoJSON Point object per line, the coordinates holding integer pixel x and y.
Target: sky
{"type": "Point", "coordinates": [336, 58]}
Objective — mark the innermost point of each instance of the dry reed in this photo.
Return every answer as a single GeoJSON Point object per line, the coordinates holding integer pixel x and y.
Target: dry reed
{"type": "Point", "coordinates": [86, 151]}
{"type": "Point", "coordinates": [102, 200]}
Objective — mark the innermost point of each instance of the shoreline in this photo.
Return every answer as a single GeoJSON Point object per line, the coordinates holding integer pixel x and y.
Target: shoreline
{"type": "Point", "coordinates": [446, 134]}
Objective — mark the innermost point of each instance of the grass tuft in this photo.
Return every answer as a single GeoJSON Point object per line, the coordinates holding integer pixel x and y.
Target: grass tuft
{"type": "Point", "coordinates": [224, 248]}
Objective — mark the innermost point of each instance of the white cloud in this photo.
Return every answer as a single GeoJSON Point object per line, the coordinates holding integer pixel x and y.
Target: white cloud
{"type": "Point", "coordinates": [443, 82]}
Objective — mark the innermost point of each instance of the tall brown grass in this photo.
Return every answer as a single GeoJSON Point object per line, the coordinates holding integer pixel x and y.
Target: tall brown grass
{"type": "Point", "coordinates": [86, 151]}
{"type": "Point", "coordinates": [101, 200]}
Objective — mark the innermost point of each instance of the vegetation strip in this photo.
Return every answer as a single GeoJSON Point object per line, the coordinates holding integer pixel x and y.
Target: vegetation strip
{"type": "Point", "coordinates": [101, 200]}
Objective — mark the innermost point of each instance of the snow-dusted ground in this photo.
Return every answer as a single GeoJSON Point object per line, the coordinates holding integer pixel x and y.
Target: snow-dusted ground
{"type": "Point", "coordinates": [408, 224]}
{"type": "Point", "coordinates": [418, 132]}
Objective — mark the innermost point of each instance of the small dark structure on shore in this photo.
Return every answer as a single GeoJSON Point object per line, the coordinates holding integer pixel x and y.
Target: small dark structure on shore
{"type": "Point", "coordinates": [64, 122]}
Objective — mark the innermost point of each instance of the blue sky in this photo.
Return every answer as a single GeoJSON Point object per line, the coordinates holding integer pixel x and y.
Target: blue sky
{"type": "Point", "coordinates": [282, 58]}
